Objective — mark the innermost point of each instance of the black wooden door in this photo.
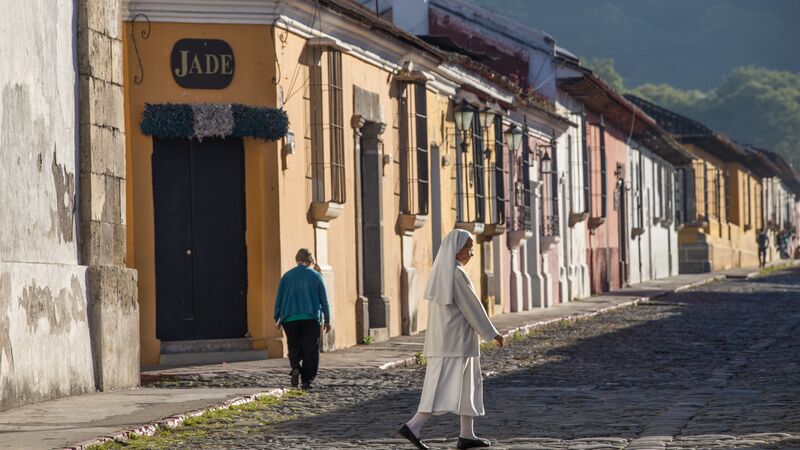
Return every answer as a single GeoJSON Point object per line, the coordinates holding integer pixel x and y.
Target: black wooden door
{"type": "Point", "coordinates": [201, 271]}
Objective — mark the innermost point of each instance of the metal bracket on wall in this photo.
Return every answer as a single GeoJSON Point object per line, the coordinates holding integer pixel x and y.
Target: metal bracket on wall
{"type": "Point", "coordinates": [137, 79]}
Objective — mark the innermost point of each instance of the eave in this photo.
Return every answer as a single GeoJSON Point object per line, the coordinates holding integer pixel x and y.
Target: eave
{"type": "Point", "coordinates": [624, 115]}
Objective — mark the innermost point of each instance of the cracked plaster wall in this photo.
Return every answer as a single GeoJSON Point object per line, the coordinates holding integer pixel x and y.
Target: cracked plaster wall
{"type": "Point", "coordinates": [45, 342]}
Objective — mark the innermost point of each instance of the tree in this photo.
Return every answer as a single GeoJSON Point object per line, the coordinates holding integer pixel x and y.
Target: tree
{"type": "Point", "coordinates": [751, 105]}
{"type": "Point", "coordinates": [604, 68]}
{"type": "Point", "coordinates": [669, 97]}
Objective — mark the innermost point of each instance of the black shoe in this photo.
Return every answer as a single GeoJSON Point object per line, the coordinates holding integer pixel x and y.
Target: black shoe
{"type": "Point", "coordinates": [408, 434]}
{"type": "Point", "coordinates": [306, 386]}
{"type": "Point", "coordinates": [464, 443]}
{"type": "Point", "coordinates": [295, 377]}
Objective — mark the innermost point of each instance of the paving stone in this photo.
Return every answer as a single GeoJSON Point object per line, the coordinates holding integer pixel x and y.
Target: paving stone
{"type": "Point", "coordinates": [711, 367]}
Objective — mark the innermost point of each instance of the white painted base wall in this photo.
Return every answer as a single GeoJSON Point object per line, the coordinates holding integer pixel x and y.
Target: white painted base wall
{"type": "Point", "coordinates": [45, 345]}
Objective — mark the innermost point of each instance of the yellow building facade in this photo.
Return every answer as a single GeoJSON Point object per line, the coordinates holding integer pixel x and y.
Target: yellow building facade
{"type": "Point", "coordinates": [725, 210]}
{"type": "Point", "coordinates": [368, 173]}
{"type": "Point", "coordinates": [721, 196]}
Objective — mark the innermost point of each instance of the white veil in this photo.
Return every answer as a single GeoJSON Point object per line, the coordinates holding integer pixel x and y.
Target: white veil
{"type": "Point", "coordinates": [440, 282]}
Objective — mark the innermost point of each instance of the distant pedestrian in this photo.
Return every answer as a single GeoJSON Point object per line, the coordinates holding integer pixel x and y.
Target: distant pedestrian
{"type": "Point", "coordinates": [763, 241]}
{"type": "Point", "coordinates": [456, 321]}
{"type": "Point", "coordinates": [300, 306]}
{"type": "Point", "coordinates": [783, 244]}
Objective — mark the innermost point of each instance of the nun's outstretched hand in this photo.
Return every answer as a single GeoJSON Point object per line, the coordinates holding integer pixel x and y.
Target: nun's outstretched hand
{"type": "Point", "coordinates": [500, 341]}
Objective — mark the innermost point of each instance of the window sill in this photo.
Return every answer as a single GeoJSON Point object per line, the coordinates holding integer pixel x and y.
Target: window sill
{"type": "Point", "coordinates": [517, 237]}
{"type": "Point", "coordinates": [595, 222]}
{"type": "Point", "coordinates": [408, 223]}
{"type": "Point", "coordinates": [636, 232]}
{"type": "Point", "coordinates": [547, 242]}
{"type": "Point", "coordinates": [325, 211]}
{"type": "Point", "coordinates": [663, 222]}
{"type": "Point", "coordinates": [575, 218]}
{"type": "Point", "coordinates": [492, 230]}
{"type": "Point", "coordinates": [472, 227]}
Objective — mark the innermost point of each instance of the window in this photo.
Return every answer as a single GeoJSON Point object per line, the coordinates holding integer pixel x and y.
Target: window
{"type": "Point", "coordinates": [658, 211]}
{"type": "Point", "coordinates": [572, 172]}
{"type": "Point", "coordinates": [461, 166]}
{"type": "Point", "coordinates": [679, 192]}
{"type": "Point", "coordinates": [596, 167]}
{"type": "Point", "coordinates": [499, 173]}
{"type": "Point", "coordinates": [603, 184]}
{"type": "Point", "coordinates": [718, 193]}
{"type": "Point", "coordinates": [526, 181]}
{"type": "Point", "coordinates": [413, 152]}
{"type": "Point", "coordinates": [479, 189]}
{"type": "Point", "coordinates": [549, 210]}
{"type": "Point", "coordinates": [706, 196]}
{"type": "Point", "coordinates": [669, 187]}
{"type": "Point", "coordinates": [727, 190]}
{"type": "Point", "coordinates": [586, 166]}
{"type": "Point", "coordinates": [640, 203]}
{"type": "Point", "coordinates": [328, 170]}
{"type": "Point", "coordinates": [748, 219]}
{"type": "Point", "coordinates": [470, 187]}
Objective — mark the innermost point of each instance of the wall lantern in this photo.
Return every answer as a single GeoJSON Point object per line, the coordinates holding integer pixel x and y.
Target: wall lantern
{"type": "Point", "coordinates": [486, 117]}
{"type": "Point", "coordinates": [546, 164]}
{"type": "Point", "coordinates": [513, 136]}
{"type": "Point", "coordinates": [462, 114]}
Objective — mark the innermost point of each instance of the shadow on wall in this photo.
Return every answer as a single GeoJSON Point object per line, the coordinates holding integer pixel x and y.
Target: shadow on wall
{"type": "Point", "coordinates": [616, 378]}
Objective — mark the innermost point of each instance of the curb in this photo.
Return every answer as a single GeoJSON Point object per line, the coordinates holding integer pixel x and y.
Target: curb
{"type": "Point", "coordinates": [775, 267]}
{"type": "Point", "coordinates": [174, 421]}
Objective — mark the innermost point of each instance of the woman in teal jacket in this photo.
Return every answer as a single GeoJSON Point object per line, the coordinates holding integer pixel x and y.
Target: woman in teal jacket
{"type": "Point", "coordinates": [300, 306]}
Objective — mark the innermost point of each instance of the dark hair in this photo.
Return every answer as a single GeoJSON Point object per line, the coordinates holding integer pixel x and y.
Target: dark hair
{"type": "Point", "coordinates": [304, 256]}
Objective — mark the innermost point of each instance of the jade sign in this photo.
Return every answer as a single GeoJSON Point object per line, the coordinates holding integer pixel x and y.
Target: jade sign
{"type": "Point", "coordinates": [202, 63]}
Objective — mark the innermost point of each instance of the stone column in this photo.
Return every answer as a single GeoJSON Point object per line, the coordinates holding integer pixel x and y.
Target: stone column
{"type": "Point", "coordinates": [113, 302]}
{"type": "Point", "coordinates": [362, 303]}
{"type": "Point", "coordinates": [372, 307]}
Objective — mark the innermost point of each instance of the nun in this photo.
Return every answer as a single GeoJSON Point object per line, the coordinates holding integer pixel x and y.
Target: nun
{"type": "Point", "coordinates": [456, 324]}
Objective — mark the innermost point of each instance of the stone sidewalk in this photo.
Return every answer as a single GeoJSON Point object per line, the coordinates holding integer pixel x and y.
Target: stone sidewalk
{"type": "Point", "coordinates": [65, 422]}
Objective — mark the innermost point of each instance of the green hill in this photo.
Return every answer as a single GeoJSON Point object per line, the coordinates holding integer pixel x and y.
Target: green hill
{"type": "Point", "coordinates": [733, 65]}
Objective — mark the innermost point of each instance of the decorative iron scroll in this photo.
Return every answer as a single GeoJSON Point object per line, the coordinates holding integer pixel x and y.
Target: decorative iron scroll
{"type": "Point", "coordinates": [137, 79]}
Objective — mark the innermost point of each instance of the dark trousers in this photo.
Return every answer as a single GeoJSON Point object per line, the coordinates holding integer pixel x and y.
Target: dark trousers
{"type": "Point", "coordinates": [762, 257]}
{"type": "Point", "coordinates": [303, 339]}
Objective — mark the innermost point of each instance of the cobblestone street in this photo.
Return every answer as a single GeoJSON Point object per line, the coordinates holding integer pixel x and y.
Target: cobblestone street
{"type": "Point", "coordinates": [713, 367]}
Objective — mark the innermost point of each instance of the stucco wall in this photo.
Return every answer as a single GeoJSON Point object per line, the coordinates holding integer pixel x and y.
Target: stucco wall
{"type": "Point", "coordinates": [38, 133]}
{"type": "Point", "coordinates": [265, 229]}
{"type": "Point", "coordinates": [45, 348]}
{"type": "Point", "coordinates": [279, 186]}
{"type": "Point", "coordinates": [603, 240]}
{"type": "Point", "coordinates": [570, 166]}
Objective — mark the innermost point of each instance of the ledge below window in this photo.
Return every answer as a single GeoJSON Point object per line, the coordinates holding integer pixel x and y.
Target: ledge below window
{"type": "Point", "coordinates": [325, 211]}
{"type": "Point", "coordinates": [575, 218]}
{"type": "Point", "coordinates": [517, 237]}
{"type": "Point", "coordinates": [595, 222]}
{"type": "Point", "coordinates": [492, 230]}
{"type": "Point", "coordinates": [407, 223]}
{"type": "Point", "coordinates": [546, 242]}
{"type": "Point", "coordinates": [636, 232]}
{"type": "Point", "coordinates": [472, 227]}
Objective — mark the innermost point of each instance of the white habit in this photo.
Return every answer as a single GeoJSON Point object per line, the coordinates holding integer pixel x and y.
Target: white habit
{"type": "Point", "coordinates": [453, 381]}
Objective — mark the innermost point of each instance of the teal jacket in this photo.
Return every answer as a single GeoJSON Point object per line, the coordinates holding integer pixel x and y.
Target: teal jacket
{"type": "Point", "coordinates": [301, 291]}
